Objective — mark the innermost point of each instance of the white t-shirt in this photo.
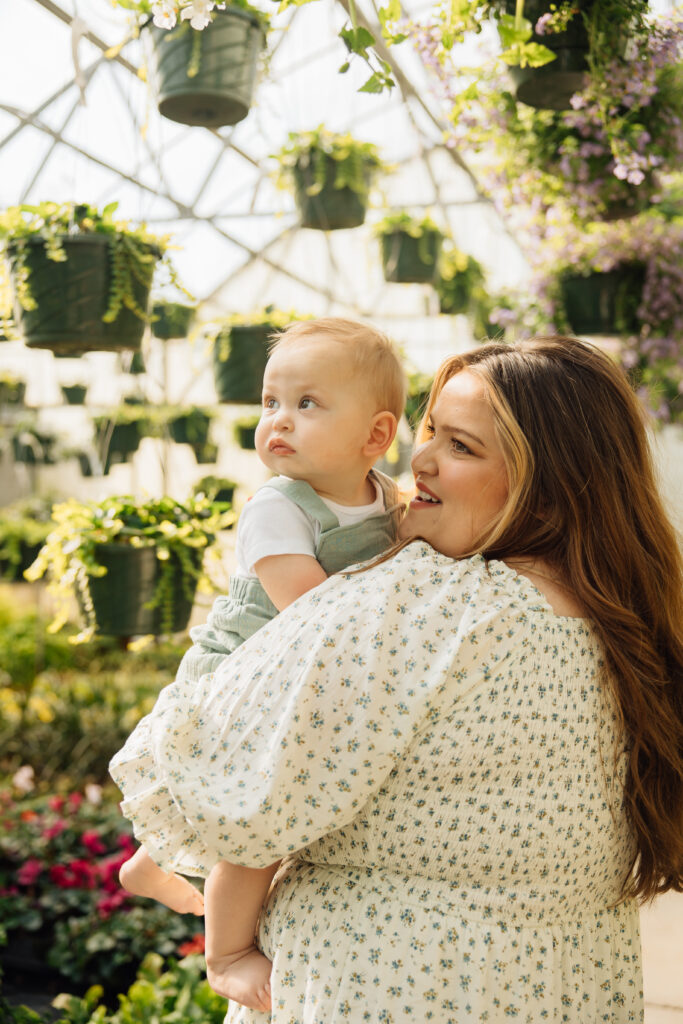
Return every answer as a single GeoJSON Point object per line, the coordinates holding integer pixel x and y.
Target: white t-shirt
{"type": "Point", "coordinates": [271, 524]}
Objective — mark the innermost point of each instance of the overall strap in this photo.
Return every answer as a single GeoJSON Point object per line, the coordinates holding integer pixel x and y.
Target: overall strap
{"type": "Point", "coordinates": [303, 495]}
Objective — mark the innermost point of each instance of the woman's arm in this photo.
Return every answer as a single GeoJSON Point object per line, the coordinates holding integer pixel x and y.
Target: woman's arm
{"type": "Point", "coordinates": [286, 577]}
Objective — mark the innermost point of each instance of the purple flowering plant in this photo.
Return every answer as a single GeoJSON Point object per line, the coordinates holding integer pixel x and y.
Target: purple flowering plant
{"type": "Point", "coordinates": [607, 157]}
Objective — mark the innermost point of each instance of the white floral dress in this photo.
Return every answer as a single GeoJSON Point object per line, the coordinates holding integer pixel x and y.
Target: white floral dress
{"type": "Point", "coordinates": [430, 748]}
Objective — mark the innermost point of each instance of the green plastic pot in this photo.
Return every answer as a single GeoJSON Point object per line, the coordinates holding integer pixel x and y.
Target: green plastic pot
{"type": "Point", "coordinates": [221, 91]}
{"type": "Point", "coordinates": [604, 302]}
{"type": "Point", "coordinates": [12, 571]}
{"type": "Point", "coordinates": [173, 321]}
{"type": "Point", "coordinates": [240, 354]}
{"type": "Point", "coordinates": [74, 394]}
{"type": "Point", "coordinates": [72, 297]}
{"type": "Point", "coordinates": [409, 260]}
{"type": "Point", "coordinates": [192, 428]}
{"type": "Point", "coordinates": [117, 443]}
{"type": "Point", "coordinates": [245, 435]}
{"type": "Point", "coordinates": [12, 393]}
{"type": "Point", "coordinates": [119, 597]}
{"type": "Point", "coordinates": [552, 86]}
{"type": "Point", "coordinates": [330, 209]}
{"type": "Point", "coordinates": [33, 449]}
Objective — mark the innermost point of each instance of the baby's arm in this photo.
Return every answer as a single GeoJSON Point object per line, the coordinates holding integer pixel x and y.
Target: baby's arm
{"type": "Point", "coordinates": [235, 968]}
{"type": "Point", "coordinates": [143, 877]}
{"type": "Point", "coordinates": [286, 577]}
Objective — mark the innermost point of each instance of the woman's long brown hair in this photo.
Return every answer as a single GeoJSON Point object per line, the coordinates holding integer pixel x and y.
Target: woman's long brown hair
{"type": "Point", "coordinates": [584, 499]}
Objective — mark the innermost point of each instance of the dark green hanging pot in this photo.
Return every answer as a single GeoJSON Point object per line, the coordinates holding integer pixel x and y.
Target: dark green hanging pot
{"type": "Point", "coordinates": [115, 442]}
{"type": "Point", "coordinates": [240, 354]}
{"type": "Point", "coordinates": [191, 428]}
{"type": "Point", "coordinates": [12, 392]}
{"type": "Point", "coordinates": [552, 86]}
{"type": "Point", "coordinates": [225, 56]}
{"type": "Point", "coordinates": [245, 435]}
{"type": "Point", "coordinates": [173, 320]}
{"type": "Point", "coordinates": [74, 394]}
{"type": "Point", "coordinates": [329, 209]}
{"type": "Point", "coordinates": [409, 260]}
{"type": "Point", "coordinates": [604, 302]}
{"type": "Point", "coordinates": [131, 581]}
{"type": "Point", "coordinates": [72, 297]}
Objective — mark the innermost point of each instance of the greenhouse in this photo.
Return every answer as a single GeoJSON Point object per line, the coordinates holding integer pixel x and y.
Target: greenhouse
{"type": "Point", "coordinates": [185, 184]}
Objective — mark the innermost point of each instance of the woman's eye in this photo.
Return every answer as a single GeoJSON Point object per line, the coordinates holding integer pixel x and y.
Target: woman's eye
{"type": "Point", "coordinates": [429, 427]}
{"type": "Point", "coordinates": [459, 447]}
{"type": "Point", "coordinates": [306, 403]}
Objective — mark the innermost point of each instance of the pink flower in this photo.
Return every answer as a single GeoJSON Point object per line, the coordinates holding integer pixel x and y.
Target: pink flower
{"type": "Point", "coordinates": [52, 831]}
{"type": "Point", "coordinates": [29, 871]}
{"type": "Point", "coordinates": [55, 803]}
{"type": "Point", "coordinates": [75, 801]}
{"type": "Point", "coordinates": [108, 904]}
{"type": "Point", "coordinates": [92, 842]}
{"type": "Point", "coordinates": [77, 874]}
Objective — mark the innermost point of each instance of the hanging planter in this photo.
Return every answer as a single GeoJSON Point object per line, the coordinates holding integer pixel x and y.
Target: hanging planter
{"type": "Point", "coordinates": [81, 280]}
{"type": "Point", "coordinates": [603, 302]}
{"type": "Point", "coordinates": [132, 567]}
{"type": "Point", "coordinates": [551, 86]}
{"type": "Point", "coordinates": [240, 353]}
{"type": "Point", "coordinates": [12, 390]}
{"type": "Point", "coordinates": [171, 320]}
{"type": "Point", "coordinates": [216, 488]}
{"type": "Point", "coordinates": [74, 394]}
{"type": "Point", "coordinates": [33, 448]}
{"type": "Point", "coordinates": [245, 432]}
{"type": "Point", "coordinates": [190, 427]}
{"type": "Point", "coordinates": [331, 176]}
{"type": "Point", "coordinates": [460, 282]}
{"type": "Point", "coordinates": [206, 78]}
{"type": "Point", "coordinates": [118, 435]}
{"type": "Point", "coordinates": [410, 249]}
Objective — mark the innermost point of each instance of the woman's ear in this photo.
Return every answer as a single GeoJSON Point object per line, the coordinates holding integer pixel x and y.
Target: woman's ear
{"type": "Point", "coordinates": [383, 427]}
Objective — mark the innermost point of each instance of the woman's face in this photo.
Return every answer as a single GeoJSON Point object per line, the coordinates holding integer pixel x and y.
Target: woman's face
{"type": "Point", "coordinates": [459, 471]}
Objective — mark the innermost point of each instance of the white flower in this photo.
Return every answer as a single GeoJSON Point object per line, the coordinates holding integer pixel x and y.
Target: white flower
{"type": "Point", "coordinates": [23, 779]}
{"type": "Point", "coordinates": [199, 13]}
{"type": "Point", "coordinates": [93, 793]}
{"type": "Point", "coordinates": [165, 14]}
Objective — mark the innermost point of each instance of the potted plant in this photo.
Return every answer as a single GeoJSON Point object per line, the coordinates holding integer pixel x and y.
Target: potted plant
{"type": "Point", "coordinates": [65, 917]}
{"type": "Point", "coordinates": [24, 527]}
{"type": "Point", "coordinates": [419, 387]}
{"type": "Point", "coordinates": [171, 320]}
{"type": "Point", "coordinates": [74, 394]}
{"type": "Point", "coordinates": [32, 446]}
{"type": "Point", "coordinates": [411, 247]}
{"type": "Point", "coordinates": [245, 432]}
{"type": "Point", "coordinates": [218, 489]}
{"type": "Point", "coordinates": [118, 432]}
{"type": "Point", "coordinates": [601, 160]}
{"type": "Point", "coordinates": [460, 283]}
{"type": "Point", "coordinates": [186, 426]}
{"type": "Point", "coordinates": [12, 389]}
{"type": "Point", "coordinates": [133, 567]}
{"type": "Point", "coordinates": [81, 280]}
{"type": "Point", "coordinates": [240, 351]}
{"type": "Point", "coordinates": [203, 57]}
{"type": "Point", "coordinates": [331, 176]}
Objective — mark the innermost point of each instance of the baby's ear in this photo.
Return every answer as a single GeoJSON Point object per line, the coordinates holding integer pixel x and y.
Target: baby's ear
{"type": "Point", "coordinates": [383, 427]}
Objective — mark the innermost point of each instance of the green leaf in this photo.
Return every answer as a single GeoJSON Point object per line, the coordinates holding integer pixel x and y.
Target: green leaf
{"type": "Point", "coordinates": [510, 34]}
{"type": "Point", "coordinates": [376, 83]}
{"type": "Point", "coordinates": [344, 68]}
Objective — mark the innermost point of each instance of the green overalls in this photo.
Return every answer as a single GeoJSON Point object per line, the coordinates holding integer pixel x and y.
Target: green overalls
{"type": "Point", "coordinates": [236, 616]}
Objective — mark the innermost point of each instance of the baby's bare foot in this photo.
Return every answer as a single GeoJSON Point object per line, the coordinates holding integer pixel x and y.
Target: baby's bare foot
{"type": "Point", "coordinates": [145, 878]}
{"type": "Point", "coordinates": [243, 977]}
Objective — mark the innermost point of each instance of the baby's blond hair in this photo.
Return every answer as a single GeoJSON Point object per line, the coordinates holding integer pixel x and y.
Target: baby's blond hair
{"type": "Point", "coordinates": [373, 356]}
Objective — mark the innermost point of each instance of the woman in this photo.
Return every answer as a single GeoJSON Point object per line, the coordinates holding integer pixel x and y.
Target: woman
{"type": "Point", "coordinates": [471, 751]}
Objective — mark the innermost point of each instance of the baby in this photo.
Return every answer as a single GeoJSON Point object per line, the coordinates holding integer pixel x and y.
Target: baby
{"type": "Point", "coordinates": [333, 392]}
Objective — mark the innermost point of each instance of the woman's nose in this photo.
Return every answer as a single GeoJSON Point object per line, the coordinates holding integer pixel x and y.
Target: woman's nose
{"type": "Point", "coordinates": [422, 460]}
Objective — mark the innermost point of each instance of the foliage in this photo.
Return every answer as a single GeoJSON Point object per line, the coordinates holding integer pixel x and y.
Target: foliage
{"type": "Point", "coordinates": [244, 428]}
{"type": "Point", "coordinates": [62, 705]}
{"type": "Point", "coordinates": [353, 162]}
{"type": "Point", "coordinates": [211, 486]}
{"type": "Point", "coordinates": [405, 222]}
{"type": "Point", "coordinates": [461, 281]}
{"type": "Point", "coordinates": [174, 529]}
{"type": "Point", "coordinates": [178, 994]}
{"type": "Point", "coordinates": [12, 388]}
{"type": "Point", "coordinates": [134, 252]}
{"type": "Point", "coordinates": [601, 158]}
{"type": "Point", "coordinates": [60, 856]}
{"type": "Point", "coordinates": [23, 525]}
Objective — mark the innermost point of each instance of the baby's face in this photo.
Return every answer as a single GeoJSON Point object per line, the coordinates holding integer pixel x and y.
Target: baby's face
{"type": "Point", "coordinates": [316, 413]}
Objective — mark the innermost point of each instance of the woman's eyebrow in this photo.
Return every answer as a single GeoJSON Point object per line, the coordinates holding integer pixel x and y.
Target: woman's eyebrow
{"type": "Point", "coordinates": [461, 430]}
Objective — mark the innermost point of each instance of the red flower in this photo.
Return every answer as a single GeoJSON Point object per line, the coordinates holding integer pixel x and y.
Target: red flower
{"type": "Point", "coordinates": [109, 873]}
{"type": "Point", "coordinates": [127, 843]}
{"type": "Point", "coordinates": [52, 831]}
{"type": "Point", "coordinates": [75, 801]}
{"type": "Point", "coordinates": [77, 874]}
{"type": "Point", "coordinates": [195, 945]}
{"type": "Point", "coordinates": [29, 815]}
{"type": "Point", "coordinates": [29, 871]}
{"type": "Point", "coordinates": [55, 803]}
{"type": "Point", "coordinates": [108, 904]}
{"type": "Point", "coordinates": [92, 842]}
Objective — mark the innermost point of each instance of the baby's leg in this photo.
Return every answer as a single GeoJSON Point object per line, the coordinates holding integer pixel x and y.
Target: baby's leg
{"type": "Point", "coordinates": [235, 968]}
{"type": "Point", "coordinates": [143, 877]}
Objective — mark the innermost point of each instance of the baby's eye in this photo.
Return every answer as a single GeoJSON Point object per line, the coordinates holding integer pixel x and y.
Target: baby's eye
{"type": "Point", "coordinates": [306, 403]}
{"type": "Point", "coordinates": [270, 403]}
